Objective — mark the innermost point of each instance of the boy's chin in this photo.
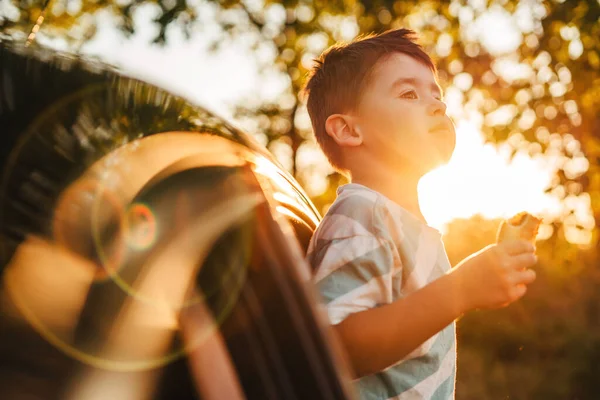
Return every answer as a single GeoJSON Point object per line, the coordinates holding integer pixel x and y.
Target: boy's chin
{"type": "Point", "coordinates": [438, 162]}
{"type": "Point", "coordinates": [424, 164]}
{"type": "Point", "coordinates": [444, 155]}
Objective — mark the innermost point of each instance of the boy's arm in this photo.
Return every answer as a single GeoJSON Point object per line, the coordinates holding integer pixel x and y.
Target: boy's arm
{"type": "Point", "coordinates": [380, 337]}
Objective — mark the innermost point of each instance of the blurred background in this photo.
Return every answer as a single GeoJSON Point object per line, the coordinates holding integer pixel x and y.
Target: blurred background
{"type": "Point", "coordinates": [522, 83]}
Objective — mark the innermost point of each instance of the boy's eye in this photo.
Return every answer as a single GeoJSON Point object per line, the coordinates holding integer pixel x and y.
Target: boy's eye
{"type": "Point", "coordinates": [411, 94]}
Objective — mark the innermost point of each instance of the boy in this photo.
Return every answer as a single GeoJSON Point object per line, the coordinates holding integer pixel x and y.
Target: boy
{"type": "Point", "coordinates": [378, 115]}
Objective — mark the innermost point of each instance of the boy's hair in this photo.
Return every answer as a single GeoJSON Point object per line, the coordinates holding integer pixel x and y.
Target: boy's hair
{"type": "Point", "coordinates": [342, 71]}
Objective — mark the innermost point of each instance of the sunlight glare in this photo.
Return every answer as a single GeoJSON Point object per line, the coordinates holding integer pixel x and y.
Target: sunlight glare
{"type": "Point", "coordinates": [480, 179]}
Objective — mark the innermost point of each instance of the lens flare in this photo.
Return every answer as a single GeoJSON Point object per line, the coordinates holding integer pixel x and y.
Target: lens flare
{"type": "Point", "coordinates": [140, 226]}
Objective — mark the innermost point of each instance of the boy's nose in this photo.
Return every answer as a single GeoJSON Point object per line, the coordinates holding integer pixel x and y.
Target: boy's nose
{"type": "Point", "coordinates": [437, 108]}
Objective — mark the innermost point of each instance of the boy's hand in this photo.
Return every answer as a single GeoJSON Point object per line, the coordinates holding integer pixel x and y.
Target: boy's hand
{"type": "Point", "coordinates": [496, 276]}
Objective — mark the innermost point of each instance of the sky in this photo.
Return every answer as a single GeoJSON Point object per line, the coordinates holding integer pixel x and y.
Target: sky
{"type": "Point", "coordinates": [480, 178]}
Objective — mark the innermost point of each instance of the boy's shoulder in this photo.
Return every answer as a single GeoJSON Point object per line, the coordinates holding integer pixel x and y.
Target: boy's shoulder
{"type": "Point", "coordinates": [354, 201]}
{"type": "Point", "coordinates": [357, 211]}
{"type": "Point", "coordinates": [361, 211]}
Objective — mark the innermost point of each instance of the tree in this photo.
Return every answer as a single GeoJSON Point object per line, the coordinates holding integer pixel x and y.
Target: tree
{"type": "Point", "coordinates": [550, 107]}
{"type": "Point", "coordinates": [556, 96]}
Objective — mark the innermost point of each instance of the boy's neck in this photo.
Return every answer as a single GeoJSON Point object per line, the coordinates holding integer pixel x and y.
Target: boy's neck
{"type": "Point", "coordinates": [401, 188]}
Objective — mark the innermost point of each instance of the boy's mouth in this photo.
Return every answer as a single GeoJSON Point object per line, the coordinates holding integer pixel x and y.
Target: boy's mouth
{"type": "Point", "coordinates": [443, 126]}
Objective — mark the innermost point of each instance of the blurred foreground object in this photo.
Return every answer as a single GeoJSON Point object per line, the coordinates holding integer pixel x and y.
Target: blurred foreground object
{"type": "Point", "coordinates": [522, 226]}
{"type": "Point", "coordinates": [149, 249]}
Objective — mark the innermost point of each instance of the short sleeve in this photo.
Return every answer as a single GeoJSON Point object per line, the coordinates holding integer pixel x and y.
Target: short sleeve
{"type": "Point", "coordinates": [354, 274]}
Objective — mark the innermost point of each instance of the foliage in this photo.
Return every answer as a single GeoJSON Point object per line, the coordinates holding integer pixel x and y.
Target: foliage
{"type": "Point", "coordinates": [539, 95]}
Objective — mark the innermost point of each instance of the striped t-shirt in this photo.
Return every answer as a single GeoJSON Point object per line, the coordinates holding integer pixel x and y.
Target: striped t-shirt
{"type": "Point", "coordinates": [369, 251]}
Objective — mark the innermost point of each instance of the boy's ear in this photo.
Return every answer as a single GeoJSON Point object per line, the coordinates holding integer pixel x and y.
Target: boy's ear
{"type": "Point", "coordinates": [342, 130]}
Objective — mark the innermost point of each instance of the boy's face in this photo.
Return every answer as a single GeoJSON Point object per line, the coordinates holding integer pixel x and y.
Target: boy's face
{"type": "Point", "coordinates": [402, 118]}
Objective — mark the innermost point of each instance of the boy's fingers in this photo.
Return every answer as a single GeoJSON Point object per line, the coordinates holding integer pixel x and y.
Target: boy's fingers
{"type": "Point", "coordinates": [516, 247]}
{"type": "Point", "coordinates": [523, 261]}
{"type": "Point", "coordinates": [519, 291]}
{"type": "Point", "coordinates": [523, 277]}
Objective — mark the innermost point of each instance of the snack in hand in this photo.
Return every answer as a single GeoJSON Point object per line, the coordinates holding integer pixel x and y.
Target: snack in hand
{"type": "Point", "coordinates": [522, 226]}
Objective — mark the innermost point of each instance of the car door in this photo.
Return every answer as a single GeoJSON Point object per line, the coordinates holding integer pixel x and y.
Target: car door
{"type": "Point", "coordinates": [149, 248]}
